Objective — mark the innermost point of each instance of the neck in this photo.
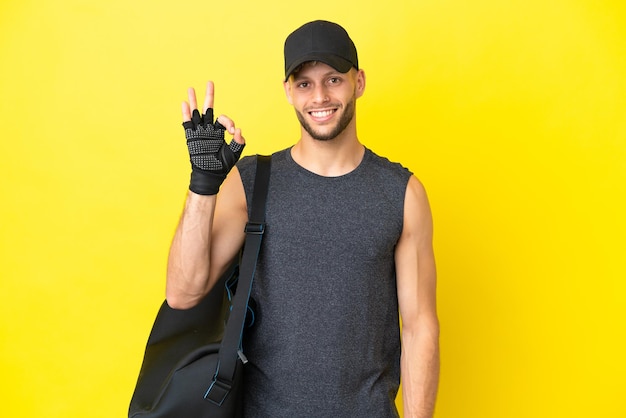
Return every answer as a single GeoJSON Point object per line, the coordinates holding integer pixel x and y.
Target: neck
{"type": "Point", "coordinates": [331, 158]}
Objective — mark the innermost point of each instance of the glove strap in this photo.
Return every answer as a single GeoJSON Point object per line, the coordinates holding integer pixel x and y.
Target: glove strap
{"type": "Point", "coordinates": [205, 182]}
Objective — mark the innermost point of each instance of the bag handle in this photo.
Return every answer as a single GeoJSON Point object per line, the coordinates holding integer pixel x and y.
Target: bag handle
{"type": "Point", "coordinates": [231, 342]}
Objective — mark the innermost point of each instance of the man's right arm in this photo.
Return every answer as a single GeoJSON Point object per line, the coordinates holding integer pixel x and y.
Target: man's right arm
{"type": "Point", "coordinates": [211, 229]}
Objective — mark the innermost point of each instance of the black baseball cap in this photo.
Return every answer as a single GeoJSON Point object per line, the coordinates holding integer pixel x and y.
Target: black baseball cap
{"type": "Point", "coordinates": [323, 41]}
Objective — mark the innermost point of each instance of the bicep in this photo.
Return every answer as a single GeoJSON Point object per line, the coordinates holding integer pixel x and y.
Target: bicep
{"type": "Point", "coordinates": [231, 215]}
{"type": "Point", "coordinates": [415, 260]}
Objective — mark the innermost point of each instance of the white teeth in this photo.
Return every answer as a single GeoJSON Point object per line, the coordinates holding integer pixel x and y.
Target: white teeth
{"type": "Point", "coordinates": [321, 114]}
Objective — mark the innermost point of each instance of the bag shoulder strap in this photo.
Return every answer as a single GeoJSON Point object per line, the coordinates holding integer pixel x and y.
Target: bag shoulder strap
{"type": "Point", "coordinates": [261, 185]}
{"type": "Point", "coordinates": [231, 343]}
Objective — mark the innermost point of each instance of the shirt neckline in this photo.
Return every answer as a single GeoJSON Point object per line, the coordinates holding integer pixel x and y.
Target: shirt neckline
{"type": "Point", "coordinates": [355, 171]}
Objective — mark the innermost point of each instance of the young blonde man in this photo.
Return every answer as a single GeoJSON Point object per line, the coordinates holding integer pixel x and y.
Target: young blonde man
{"type": "Point", "coordinates": [348, 246]}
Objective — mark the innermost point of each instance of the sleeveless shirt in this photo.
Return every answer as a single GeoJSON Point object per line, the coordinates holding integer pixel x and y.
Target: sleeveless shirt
{"type": "Point", "coordinates": [326, 340]}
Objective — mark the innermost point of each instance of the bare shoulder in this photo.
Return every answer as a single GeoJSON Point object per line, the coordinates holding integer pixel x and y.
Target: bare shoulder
{"type": "Point", "coordinates": [416, 190]}
{"type": "Point", "coordinates": [417, 212]}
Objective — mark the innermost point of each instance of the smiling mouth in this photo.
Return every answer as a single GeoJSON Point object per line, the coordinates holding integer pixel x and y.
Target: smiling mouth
{"type": "Point", "coordinates": [321, 114]}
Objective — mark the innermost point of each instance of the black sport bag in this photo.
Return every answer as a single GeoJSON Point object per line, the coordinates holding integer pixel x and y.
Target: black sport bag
{"type": "Point", "coordinates": [193, 365]}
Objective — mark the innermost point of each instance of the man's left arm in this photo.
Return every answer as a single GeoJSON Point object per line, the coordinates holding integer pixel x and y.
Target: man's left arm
{"type": "Point", "coordinates": [416, 283]}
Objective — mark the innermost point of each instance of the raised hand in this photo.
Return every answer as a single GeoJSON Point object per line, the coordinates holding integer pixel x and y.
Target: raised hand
{"type": "Point", "coordinates": [211, 158]}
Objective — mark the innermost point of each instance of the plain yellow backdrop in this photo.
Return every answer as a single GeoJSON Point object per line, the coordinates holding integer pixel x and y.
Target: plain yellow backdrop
{"type": "Point", "coordinates": [513, 114]}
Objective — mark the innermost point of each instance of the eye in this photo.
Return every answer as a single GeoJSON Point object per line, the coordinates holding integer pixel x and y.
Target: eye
{"type": "Point", "coordinates": [334, 80]}
{"type": "Point", "coordinates": [303, 84]}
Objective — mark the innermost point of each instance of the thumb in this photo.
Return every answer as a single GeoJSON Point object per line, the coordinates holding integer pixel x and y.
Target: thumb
{"type": "Point", "coordinates": [238, 137]}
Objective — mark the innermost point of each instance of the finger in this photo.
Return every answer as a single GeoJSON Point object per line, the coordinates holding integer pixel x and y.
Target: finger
{"type": "Point", "coordinates": [208, 97]}
{"type": "Point", "coordinates": [196, 117]}
{"type": "Point", "coordinates": [208, 116]}
{"type": "Point", "coordinates": [186, 112]}
{"type": "Point", "coordinates": [227, 123]}
{"type": "Point", "coordinates": [238, 138]}
{"type": "Point", "coordinates": [191, 93]}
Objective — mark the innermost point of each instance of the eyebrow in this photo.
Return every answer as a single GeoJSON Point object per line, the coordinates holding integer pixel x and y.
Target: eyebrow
{"type": "Point", "coordinates": [333, 72]}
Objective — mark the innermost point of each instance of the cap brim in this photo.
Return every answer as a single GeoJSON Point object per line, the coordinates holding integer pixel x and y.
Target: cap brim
{"type": "Point", "coordinates": [338, 63]}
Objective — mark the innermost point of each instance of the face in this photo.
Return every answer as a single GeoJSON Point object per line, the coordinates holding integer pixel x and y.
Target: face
{"type": "Point", "coordinates": [324, 99]}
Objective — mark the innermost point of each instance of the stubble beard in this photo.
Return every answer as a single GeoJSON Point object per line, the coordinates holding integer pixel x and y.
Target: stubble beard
{"type": "Point", "coordinates": [341, 125]}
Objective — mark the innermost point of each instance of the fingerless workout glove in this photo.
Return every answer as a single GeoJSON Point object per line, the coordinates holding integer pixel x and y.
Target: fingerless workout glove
{"type": "Point", "coordinates": [211, 158]}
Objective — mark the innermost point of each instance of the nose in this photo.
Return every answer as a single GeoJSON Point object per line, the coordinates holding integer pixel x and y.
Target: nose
{"type": "Point", "coordinates": [320, 94]}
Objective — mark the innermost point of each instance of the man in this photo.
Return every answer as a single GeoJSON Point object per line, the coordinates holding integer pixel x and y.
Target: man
{"type": "Point", "coordinates": [348, 245]}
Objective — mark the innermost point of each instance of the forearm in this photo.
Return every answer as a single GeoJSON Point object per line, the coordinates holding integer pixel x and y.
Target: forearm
{"type": "Point", "coordinates": [189, 257]}
{"type": "Point", "coordinates": [420, 370]}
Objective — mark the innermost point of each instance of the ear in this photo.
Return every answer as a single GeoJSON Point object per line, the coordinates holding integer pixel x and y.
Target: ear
{"type": "Point", "coordinates": [360, 83]}
{"type": "Point", "coordinates": [287, 87]}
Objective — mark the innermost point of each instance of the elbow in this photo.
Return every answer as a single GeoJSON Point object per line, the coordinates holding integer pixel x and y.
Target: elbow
{"type": "Point", "coordinates": [184, 291]}
{"type": "Point", "coordinates": [431, 326]}
{"type": "Point", "coordinates": [174, 301]}
{"type": "Point", "coordinates": [178, 299]}
{"type": "Point", "coordinates": [424, 326]}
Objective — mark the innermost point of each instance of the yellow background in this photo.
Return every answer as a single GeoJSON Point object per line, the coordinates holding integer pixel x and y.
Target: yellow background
{"type": "Point", "coordinates": [513, 113]}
